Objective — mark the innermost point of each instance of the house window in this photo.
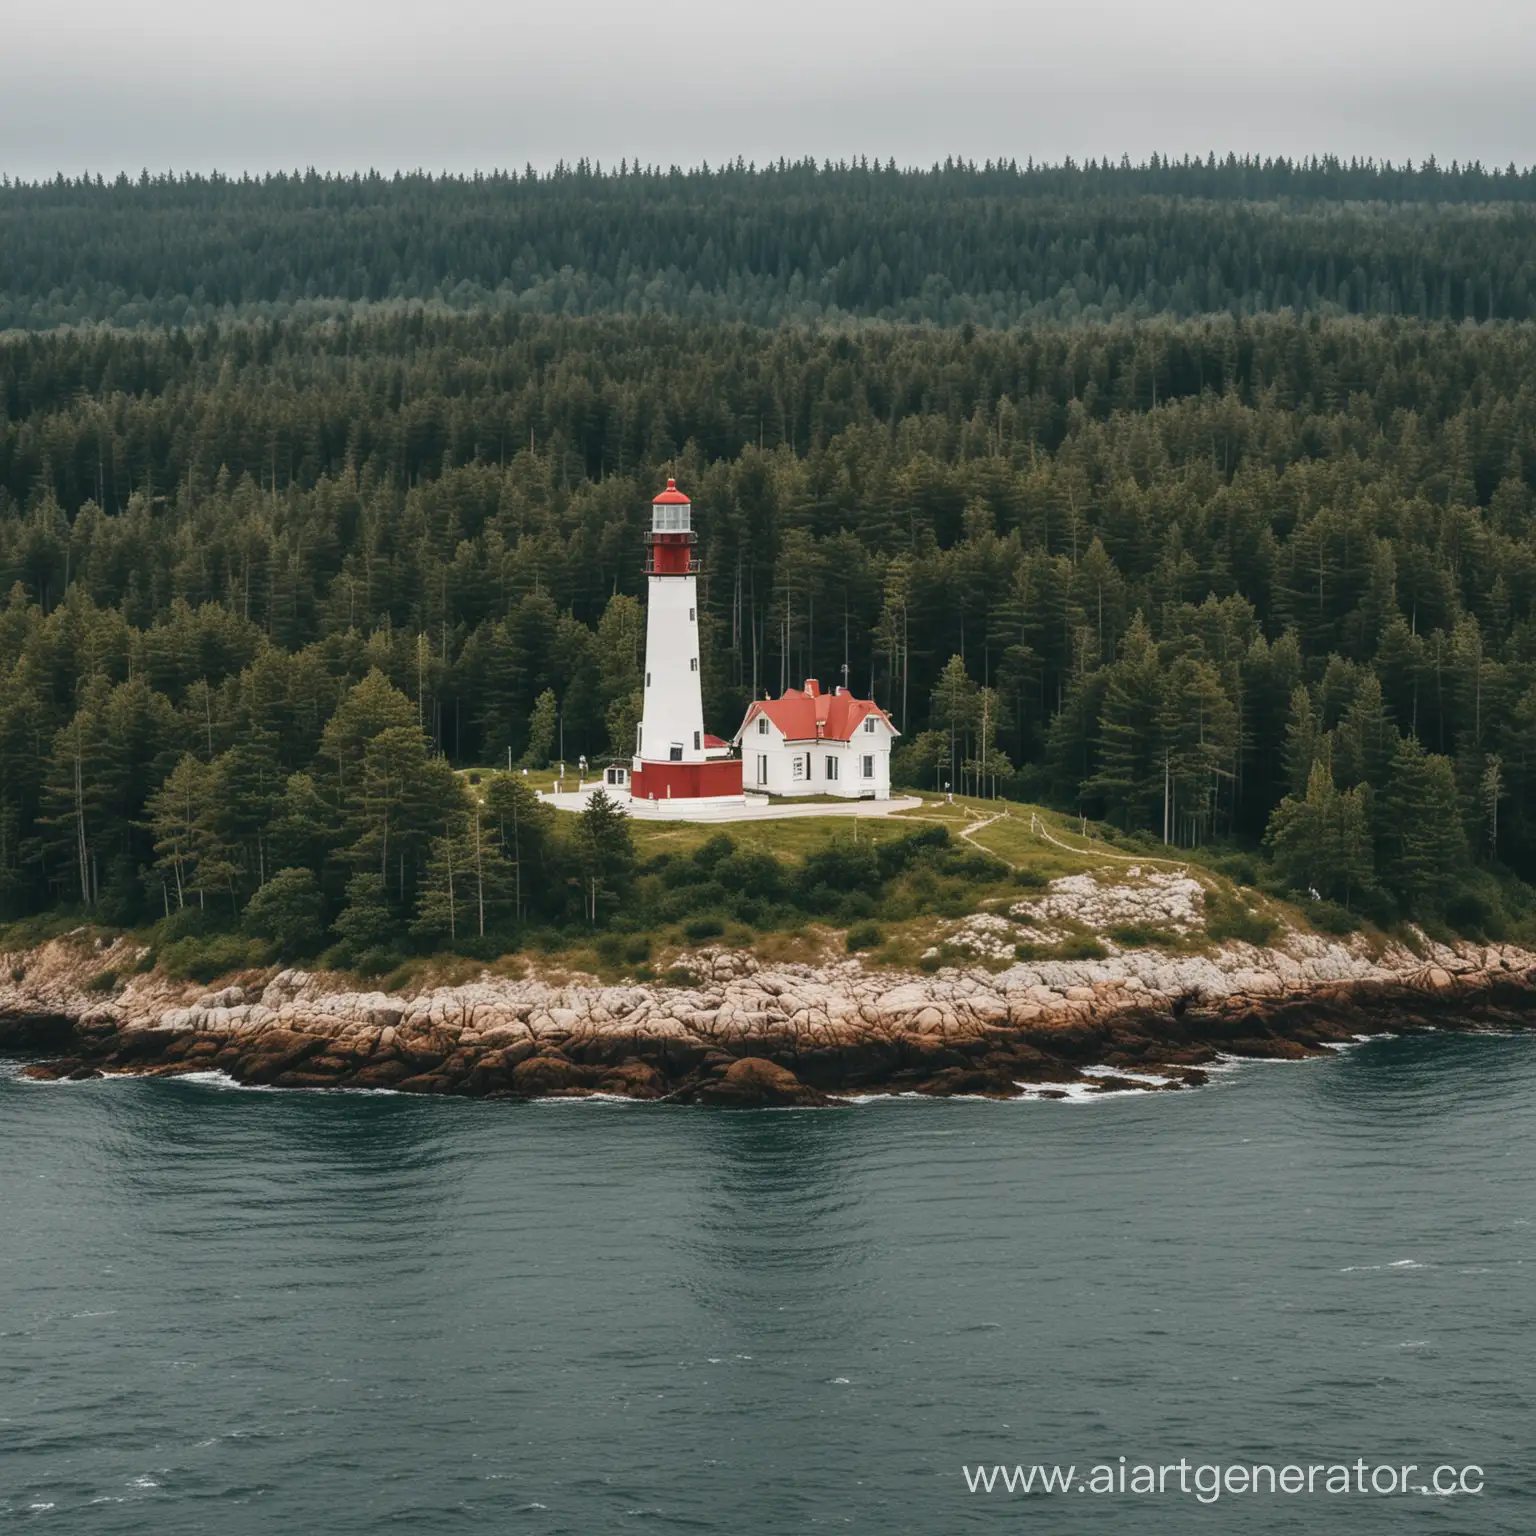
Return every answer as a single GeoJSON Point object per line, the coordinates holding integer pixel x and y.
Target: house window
{"type": "Point", "coordinates": [800, 763]}
{"type": "Point", "coordinates": [869, 724]}
{"type": "Point", "coordinates": [695, 741]}
{"type": "Point", "coordinates": [762, 767]}
{"type": "Point", "coordinates": [691, 613]}
{"type": "Point", "coordinates": [693, 663]}
{"type": "Point", "coordinates": [869, 767]}
{"type": "Point", "coordinates": [762, 725]}
{"type": "Point", "coordinates": [675, 753]}
{"type": "Point", "coordinates": [647, 679]}
{"type": "Point", "coordinates": [831, 769]}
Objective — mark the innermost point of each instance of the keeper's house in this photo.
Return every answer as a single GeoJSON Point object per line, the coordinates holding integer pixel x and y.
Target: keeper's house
{"type": "Point", "coordinates": [814, 743]}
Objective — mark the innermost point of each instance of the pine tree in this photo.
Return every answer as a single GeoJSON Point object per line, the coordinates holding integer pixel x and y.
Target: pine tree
{"type": "Point", "coordinates": [1130, 747]}
{"type": "Point", "coordinates": [366, 921]}
{"type": "Point", "coordinates": [542, 724]}
{"type": "Point", "coordinates": [1426, 846]}
{"type": "Point", "coordinates": [176, 811]}
{"type": "Point", "coordinates": [953, 714]}
{"type": "Point", "coordinates": [522, 831]}
{"type": "Point", "coordinates": [1321, 841]}
{"type": "Point", "coordinates": [1305, 745]}
{"type": "Point", "coordinates": [399, 796]}
{"type": "Point", "coordinates": [290, 911]}
{"type": "Point", "coordinates": [1366, 739]}
{"type": "Point", "coordinates": [605, 853]}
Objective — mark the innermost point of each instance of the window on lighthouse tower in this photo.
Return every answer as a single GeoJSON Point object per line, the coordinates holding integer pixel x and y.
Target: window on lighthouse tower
{"type": "Point", "coordinates": [671, 518]}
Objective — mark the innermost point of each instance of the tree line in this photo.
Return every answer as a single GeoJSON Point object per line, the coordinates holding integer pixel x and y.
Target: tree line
{"type": "Point", "coordinates": [994, 244]}
{"type": "Point", "coordinates": [1159, 572]}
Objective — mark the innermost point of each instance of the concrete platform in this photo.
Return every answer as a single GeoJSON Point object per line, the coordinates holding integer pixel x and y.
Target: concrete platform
{"type": "Point", "coordinates": [747, 808]}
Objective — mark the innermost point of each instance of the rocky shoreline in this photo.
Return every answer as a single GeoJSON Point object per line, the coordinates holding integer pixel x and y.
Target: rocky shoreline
{"type": "Point", "coordinates": [750, 1035]}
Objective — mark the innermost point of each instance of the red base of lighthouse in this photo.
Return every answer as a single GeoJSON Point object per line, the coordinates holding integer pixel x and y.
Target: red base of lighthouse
{"type": "Point", "coordinates": [686, 781]}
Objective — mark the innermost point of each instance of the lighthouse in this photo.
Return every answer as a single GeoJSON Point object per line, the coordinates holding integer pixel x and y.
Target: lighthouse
{"type": "Point", "coordinates": [674, 757]}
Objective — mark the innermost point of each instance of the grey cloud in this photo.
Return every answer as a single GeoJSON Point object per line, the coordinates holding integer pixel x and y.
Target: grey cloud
{"type": "Point", "coordinates": [466, 83]}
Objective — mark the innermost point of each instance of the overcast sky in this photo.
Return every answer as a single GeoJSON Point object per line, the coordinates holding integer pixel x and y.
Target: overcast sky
{"type": "Point", "coordinates": [107, 85]}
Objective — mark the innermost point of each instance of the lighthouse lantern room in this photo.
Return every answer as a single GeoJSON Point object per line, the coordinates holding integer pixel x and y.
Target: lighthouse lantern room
{"type": "Point", "coordinates": [674, 758]}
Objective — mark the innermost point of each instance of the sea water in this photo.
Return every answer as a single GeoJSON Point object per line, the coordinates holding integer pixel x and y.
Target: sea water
{"type": "Point", "coordinates": [241, 1311]}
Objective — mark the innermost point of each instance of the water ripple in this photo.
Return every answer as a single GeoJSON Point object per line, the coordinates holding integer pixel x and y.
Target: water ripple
{"type": "Point", "coordinates": [249, 1311]}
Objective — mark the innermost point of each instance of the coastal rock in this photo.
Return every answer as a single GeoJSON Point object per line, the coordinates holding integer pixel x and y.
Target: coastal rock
{"type": "Point", "coordinates": [741, 1032]}
{"type": "Point", "coordinates": [540, 1076]}
{"type": "Point", "coordinates": [756, 1083]}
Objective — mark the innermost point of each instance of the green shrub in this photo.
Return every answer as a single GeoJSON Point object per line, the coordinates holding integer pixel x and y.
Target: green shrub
{"type": "Point", "coordinates": [700, 928]}
{"type": "Point", "coordinates": [1031, 879]}
{"type": "Point", "coordinates": [102, 981]}
{"type": "Point", "coordinates": [714, 851]}
{"type": "Point", "coordinates": [618, 949]}
{"type": "Point", "coordinates": [902, 853]}
{"type": "Point", "coordinates": [1473, 913]}
{"type": "Point", "coordinates": [1143, 936]}
{"type": "Point", "coordinates": [188, 922]}
{"type": "Point", "coordinates": [680, 976]}
{"type": "Point", "coordinates": [1227, 918]}
{"type": "Point", "coordinates": [289, 910]}
{"type": "Point", "coordinates": [1081, 946]}
{"type": "Point", "coordinates": [974, 866]}
{"type": "Point", "coordinates": [207, 958]}
{"type": "Point", "coordinates": [1330, 917]}
{"type": "Point", "coordinates": [930, 962]}
{"type": "Point", "coordinates": [1076, 946]}
{"type": "Point", "coordinates": [863, 936]}
{"type": "Point", "coordinates": [838, 868]}
{"type": "Point", "coordinates": [1241, 868]}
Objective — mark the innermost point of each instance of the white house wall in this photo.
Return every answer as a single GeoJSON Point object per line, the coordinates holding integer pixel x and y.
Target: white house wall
{"type": "Point", "coordinates": [781, 755]}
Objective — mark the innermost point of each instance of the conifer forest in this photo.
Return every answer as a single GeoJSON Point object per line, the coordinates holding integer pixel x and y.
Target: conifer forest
{"type": "Point", "coordinates": [1191, 497]}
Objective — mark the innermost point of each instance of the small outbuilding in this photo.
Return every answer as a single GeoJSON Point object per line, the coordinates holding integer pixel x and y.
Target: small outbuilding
{"type": "Point", "coordinates": [812, 743]}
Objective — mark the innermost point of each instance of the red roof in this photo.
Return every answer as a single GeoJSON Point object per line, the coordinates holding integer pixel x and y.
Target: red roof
{"type": "Point", "coordinates": [808, 714]}
{"type": "Point", "coordinates": [671, 497]}
{"type": "Point", "coordinates": [714, 741]}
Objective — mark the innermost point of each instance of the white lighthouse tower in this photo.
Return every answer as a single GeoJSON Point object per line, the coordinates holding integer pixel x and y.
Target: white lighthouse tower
{"type": "Point", "coordinates": [674, 758]}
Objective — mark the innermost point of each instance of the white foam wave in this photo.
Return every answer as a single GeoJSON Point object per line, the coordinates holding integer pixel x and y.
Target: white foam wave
{"type": "Point", "coordinates": [216, 1078]}
{"type": "Point", "coordinates": [591, 1098]}
{"type": "Point", "coordinates": [1156, 1079]}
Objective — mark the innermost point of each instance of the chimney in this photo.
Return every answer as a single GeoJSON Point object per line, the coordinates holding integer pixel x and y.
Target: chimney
{"type": "Point", "coordinates": [813, 688]}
